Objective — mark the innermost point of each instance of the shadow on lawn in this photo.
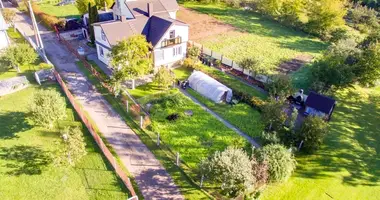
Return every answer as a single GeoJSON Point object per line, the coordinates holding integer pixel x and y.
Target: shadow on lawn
{"type": "Point", "coordinates": [254, 23]}
{"type": "Point", "coordinates": [12, 123]}
{"type": "Point", "coordinates": [352, 144]}
{"type": "Point", "coordinates": [22, 159]}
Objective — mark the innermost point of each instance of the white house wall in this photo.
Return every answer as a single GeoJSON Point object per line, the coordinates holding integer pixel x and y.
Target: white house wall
{"type": "Point", "coordinates": [173, 14]}
{"type": "Point", "coordinates": [168, 57]}
{"type": "Point", "coordinates": [4, 42]}
{"type": "Point", "coordinates": [103, 44]}
{"type": "Point", "coordinates": [98, 36]}
{"type": "Point", "coordinates": [180, 30]}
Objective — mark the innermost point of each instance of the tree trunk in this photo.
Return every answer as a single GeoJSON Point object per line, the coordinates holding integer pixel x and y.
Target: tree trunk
{"type": "Point", "coordinates": [133, 84]}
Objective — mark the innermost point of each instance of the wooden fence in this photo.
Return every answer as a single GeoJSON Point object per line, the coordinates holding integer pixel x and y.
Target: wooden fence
{"type": "Point", "coordinates": [83, 117]}
{"type": "Point", "coordinates": [227, 62]}
{"type": "Point", "coordinates": [96, 137]}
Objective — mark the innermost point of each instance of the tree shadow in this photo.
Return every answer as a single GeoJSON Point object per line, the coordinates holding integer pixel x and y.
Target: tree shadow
{"type": "Point", "coordinates": [24, 160]}
{"type": "Point", "coordinates": [12, 123]}
{"type": "Point", "coordinates": [352, 145]}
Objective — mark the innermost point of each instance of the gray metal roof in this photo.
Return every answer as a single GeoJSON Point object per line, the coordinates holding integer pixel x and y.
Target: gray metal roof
{"type": "Point", "coordinates": [140, 7]}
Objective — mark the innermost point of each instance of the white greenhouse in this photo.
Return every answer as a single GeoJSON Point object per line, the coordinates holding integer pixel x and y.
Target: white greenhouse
{"type": "Point", "coordinates": [209, 87]}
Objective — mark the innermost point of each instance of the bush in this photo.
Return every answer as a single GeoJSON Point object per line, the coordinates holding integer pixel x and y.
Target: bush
{"type": "Point", "coordinates": [257, 103]}
{"type": "Point", "coordinates": [193, 52]}
{"type": "Point", "coordinates": [280, 86]}
{"type": "Point", "coordinates": [232, 169]}
{"type": "Point", "coordinates": [74, 146]}
{"type": "Point", "coordinates": [281, 162]}
{"type": "Point", "coordinates": [47, 107]}
{"type": "Point", "coordinates": [19, 55]}
{"type": "Point", "coordinates": [269, 138]}
{"type": "Point", "coordinates": [48, 20]}
{"type": "Point", "coordinates": [233, 3]}
{"type": "Point", "coordinates": [164, 77]}
{"type": "Point", "coordinates": [363, 18]}
{"type": "Point", "coordinates": [312, 132]}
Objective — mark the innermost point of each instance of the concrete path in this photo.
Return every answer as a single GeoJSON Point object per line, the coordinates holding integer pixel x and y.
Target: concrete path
{"type": "Point", "coordinates": [151, 177]}
{"type": "Point", "coordinates": [238, 131]}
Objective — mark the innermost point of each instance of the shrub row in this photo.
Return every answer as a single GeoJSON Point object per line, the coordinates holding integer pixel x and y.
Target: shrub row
{"type": "Point", "coordinates": [49, 21]}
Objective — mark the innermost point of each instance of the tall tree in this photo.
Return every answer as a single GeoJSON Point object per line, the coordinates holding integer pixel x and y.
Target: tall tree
{"type": "Point", "coordinates": [82, 5]}
{"type": "Point", "coordinates": [273, 114]}
{"type": "Point", "coordinates": [249, 64]}
{"type": "Point", "coordinates": [93, 18]}
{"type": "Point", "coordinates": [324, 15]}
{"type": "Point", "coordinates": [131, 59]}
{"type": "Point", "coordinates": [280, 86]}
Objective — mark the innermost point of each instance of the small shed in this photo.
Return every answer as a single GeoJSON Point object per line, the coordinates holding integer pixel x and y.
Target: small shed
{"type": "Point", "coordinates": [209, 87]}
{"type": "Point", "coordinates": [319, 105]}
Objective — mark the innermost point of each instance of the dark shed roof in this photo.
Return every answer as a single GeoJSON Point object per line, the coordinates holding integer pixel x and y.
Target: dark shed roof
{"type": "Point", "coordinates": [320, 102]}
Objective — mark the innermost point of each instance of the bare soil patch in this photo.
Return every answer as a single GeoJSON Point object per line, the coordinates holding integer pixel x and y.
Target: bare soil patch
{"type": "Point", "coordinates": [202, 25]}
{"type": "Point", "coordinates": [294, 64]}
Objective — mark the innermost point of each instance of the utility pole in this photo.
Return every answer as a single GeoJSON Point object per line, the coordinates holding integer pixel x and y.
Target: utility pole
{"type": "Point", "coordinates": [40, 45]}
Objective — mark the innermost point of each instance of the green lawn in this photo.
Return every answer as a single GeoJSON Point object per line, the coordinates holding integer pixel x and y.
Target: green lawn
{"type": "Point", "coordinates": [194, 137]}
{"type": "Point", "coordinates": [241, 115]}
{"type": "Point", "coordinates": [255, 36]}
{"type": "Point", "coordinates": [348, 165]}
{"type": "Point", "coordinates": [67, 11]}
{"type": "Point", "coordinates": [27, 170]}
{"type": "Point", "coordinates": [144, 90]}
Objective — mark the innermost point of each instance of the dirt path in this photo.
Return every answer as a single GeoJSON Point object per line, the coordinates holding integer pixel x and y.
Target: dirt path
{"type": "Point", "coordinates": [152, 179]}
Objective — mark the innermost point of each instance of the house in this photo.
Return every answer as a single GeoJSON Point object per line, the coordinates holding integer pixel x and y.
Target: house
{"type": "Point", "coordinates": [319, 105]}
{"type": "Point", "coordinates": [103, 16]}
{"type": "Point", "coordinates": [4, 40]}
{"type": "Point", "coordinates": [156, 19]}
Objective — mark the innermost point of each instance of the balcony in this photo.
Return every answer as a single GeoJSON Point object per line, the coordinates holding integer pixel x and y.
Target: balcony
{"type": "Point", "coordinates": [171, 42]}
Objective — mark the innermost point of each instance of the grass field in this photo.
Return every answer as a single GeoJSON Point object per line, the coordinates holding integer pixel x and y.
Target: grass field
{"type": "Point", "coordinates": [348, 165]}
{"type": "Point", "coordinates": [67, 11]}
{"type": "Point", "coordinates": [253, 36]}
{"type": "Point", "coordinates": [27, 170]}
{"type": "Point", "coordinates": [241, 115]}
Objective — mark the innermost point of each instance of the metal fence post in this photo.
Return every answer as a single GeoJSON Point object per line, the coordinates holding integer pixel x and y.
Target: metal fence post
{"type": "Point", "coordinates": [158, 139]}
{"type": "Point", "coordinates": [177, 159]}
{"type": "Point", "coordinates": [127, 106]}
{"type": "Point", "coordinates": [141, 121]}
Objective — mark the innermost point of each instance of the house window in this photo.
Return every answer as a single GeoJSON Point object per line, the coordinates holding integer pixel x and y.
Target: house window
{"type": "Point", "coordinates": [177, 51]}
{"type": "Point", "coordinates": [159, 55]}
{"type": "Point", "coordinates": [172, 34]}
{"type": "Point", "coordinates": [101, 52]}
{"type": "Point", "coordinates": [103, 36]}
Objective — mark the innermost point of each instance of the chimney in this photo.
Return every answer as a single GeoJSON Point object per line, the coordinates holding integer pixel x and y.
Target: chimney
{"type": "Point", "coordinates": [150, 9]}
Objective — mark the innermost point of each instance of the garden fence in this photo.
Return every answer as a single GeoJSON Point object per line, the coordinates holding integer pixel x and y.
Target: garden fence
{"type": "Point", "coordinates": [84, 119]}
{"type": "Point", "coordinates": [107, 153]}
{"type": "Point", "coordinates": [227, 62]}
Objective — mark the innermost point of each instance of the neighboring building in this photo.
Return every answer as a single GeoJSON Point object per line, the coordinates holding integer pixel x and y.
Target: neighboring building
{"type": "Point", "coordinates": [156, 19]}
{"type": "Point", "coordinates": [4, 40]}
{"type": "Point", "coordinates": [319, 105]}
{"type": "Point", "coordinates": [103, 16]}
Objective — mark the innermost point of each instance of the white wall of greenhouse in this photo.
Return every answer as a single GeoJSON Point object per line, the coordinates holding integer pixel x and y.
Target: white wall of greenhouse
{"type": "Point", "coordinates": [209, 87]}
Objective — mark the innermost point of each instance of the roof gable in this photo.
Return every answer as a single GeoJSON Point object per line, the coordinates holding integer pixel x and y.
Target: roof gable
{"type": "Point", "coordinates": [320, 102]}
{"type": "Point", "coordinates": [157, 29]}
